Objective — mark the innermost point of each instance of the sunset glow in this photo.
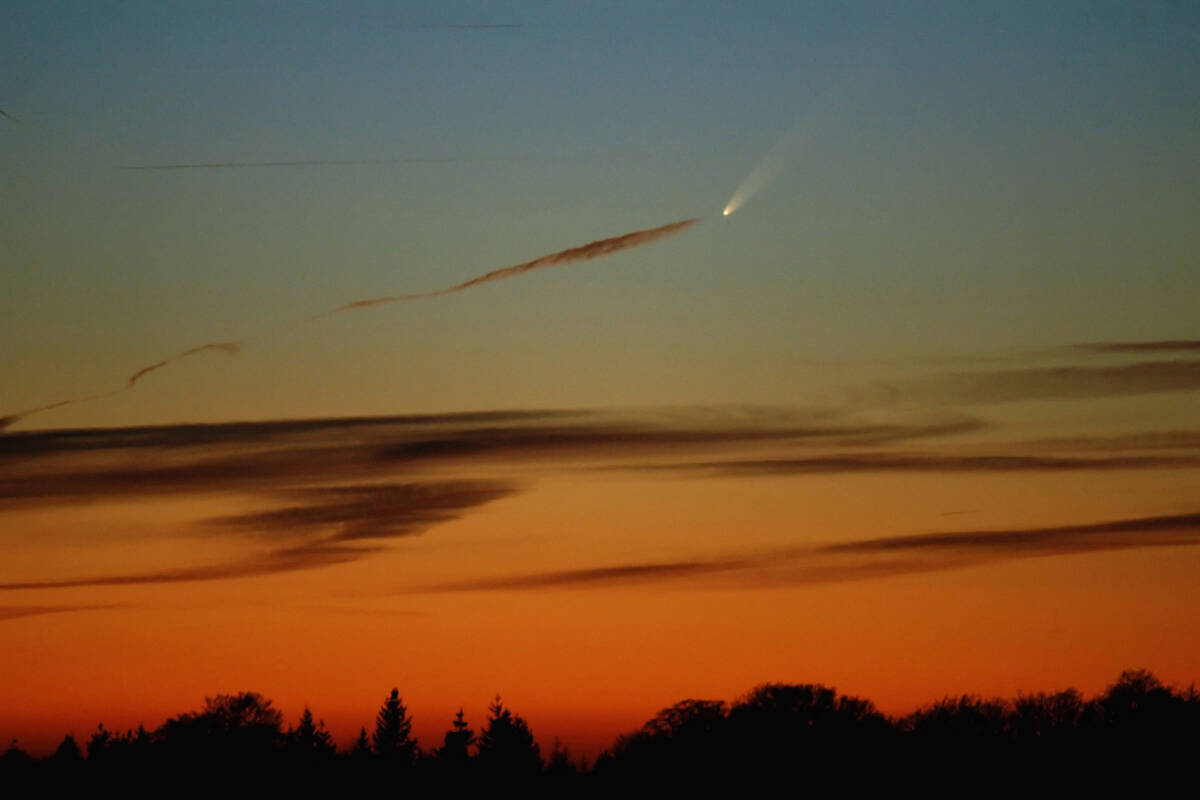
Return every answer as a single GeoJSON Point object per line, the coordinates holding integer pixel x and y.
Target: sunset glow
{"type": "Point", "coordinates": [924, 422]}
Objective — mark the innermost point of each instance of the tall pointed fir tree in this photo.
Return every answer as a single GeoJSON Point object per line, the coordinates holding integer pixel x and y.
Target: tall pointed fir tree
{"type": "Point", "coordinates": [506, 746]}
{"type": "Point", "coordinates": [393, 740]}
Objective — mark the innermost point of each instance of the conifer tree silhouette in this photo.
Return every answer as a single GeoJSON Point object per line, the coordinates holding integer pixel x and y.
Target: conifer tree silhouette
{"type": "Point", "coordinates": [361, 749]}
{"type": "Point", "coordinates": [309, 740]}
{"type": "Point", "coordinates": [393, 732]}
{"type": "Point", "coordinates": [506, 746]}
{"type": "Point", "coordinates": [454, 752]}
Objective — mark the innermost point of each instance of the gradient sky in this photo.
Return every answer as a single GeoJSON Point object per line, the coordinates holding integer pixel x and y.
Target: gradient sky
{"type": "Point", "coordinates": [970, 192]}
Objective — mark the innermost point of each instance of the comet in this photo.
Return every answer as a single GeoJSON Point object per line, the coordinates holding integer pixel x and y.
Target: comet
{"type": "Point", "coordinates": [777, 161]}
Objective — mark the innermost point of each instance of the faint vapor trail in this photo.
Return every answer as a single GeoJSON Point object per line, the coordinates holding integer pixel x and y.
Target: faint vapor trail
{"type": "Point", "coordinates": [587, 252]}
{"type": "Point", "coordinates": [229, 348]}
{"type": "Point", "coordinates": [20, 415]}
{"type": "Point", "coordinates": [333, 162]}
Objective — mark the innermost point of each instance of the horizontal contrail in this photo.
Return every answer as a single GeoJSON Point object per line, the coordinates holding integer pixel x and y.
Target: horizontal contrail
{"type": "Point", "coordinates": [587, 252]}
{"type": "Point", "coordinates": [1160, 345]}
{"type": "Point", "coordinates": [335, 162]}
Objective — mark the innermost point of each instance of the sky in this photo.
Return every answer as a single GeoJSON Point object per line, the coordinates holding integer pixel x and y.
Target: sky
{"type": "Point", "coordinates": [918, 418]}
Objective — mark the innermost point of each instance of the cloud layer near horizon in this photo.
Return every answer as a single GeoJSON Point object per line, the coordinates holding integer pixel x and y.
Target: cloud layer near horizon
{"type": "Point", "coordinates": [1071, 382]}
{"type": "Point", "coordinates": [331, 491]}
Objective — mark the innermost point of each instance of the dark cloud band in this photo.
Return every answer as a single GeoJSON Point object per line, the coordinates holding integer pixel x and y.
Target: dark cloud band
{"type": "Point", "coordinates": [861, 560]}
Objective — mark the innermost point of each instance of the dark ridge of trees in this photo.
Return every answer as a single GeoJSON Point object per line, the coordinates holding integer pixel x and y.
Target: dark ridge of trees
{"type": "Point", "coordinates": [806, 734]}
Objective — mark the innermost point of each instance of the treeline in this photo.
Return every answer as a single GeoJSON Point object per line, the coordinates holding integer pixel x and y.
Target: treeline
{"type": "Point", "coordinates": [781, 730]}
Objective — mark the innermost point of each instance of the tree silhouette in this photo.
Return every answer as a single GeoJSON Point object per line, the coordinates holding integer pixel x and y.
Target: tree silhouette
{"type": "Point", "coordinates": [68, 758]}
{"type": "Point", "coordinates": [506, 746]}
{"type": "Point", "coordinates": [689, 737]}
{"type": "Point", "coordinates": [393, 732]}
{"type": "Point", "coordinates": [15, 762]}
{"type": "Point", "coordinates": [776, 724]}
{"type": "Point", "coordinates": [961, 720]}
{"type": "Point", "coordinates": [1046, 717]}
{"type": "Point", "coordinates": [361, 749]}
{"type": "Point", "coordinates": [559, 763]}
{"type": "Point", "coordinates": [102, 741]}
{"type": "Point", "coordinates": [234, 729]}
{"type": "Point", "coordinates": [802, 734]}
{"type": "Point", "coordinates": [310, 741]}
{"type": "Point", "coordinates": [454, 754]}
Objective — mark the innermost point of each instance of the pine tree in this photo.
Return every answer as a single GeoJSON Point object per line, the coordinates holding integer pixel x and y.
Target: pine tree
{"type": "Point", "coordinates": [310, 740]}
{"type": "Point", "coordinates": [361, 750]}
{"type": "Point", "coordinates": [506, 746]}
{"type": "Point", "coordinates": [454, 751]}
{"type": "Point", "coordinates": [393, 732]}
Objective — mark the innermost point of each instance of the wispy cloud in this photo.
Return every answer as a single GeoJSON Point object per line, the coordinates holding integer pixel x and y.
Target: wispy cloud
{"type": "Point", "coordinates": [573, 255]}
{"type": "Point", "coordinates": [1157, 346]}
{"type": "Point", "coordinates": [40, 468]}
{"type": "Point", "coordinates": [587, 252]}
{"type": "Point", "coordinates": [924, 462]}
{"type": "Point", "coordinates": [335, 162]}
{"type": "Point", "coordinates": [372, 511]}
{"type": "Point", "coordinates": [288, 559]}
{"type": "Point", "coordinates": [865, 559]}
{"type": "Point", "coordinates": [1146, 440]}
{"type": "Point", "coordinates": [329, 491]}
{"type": "Point", "coordinates": [228, 348]}
{"type": "Point", "coordinates": [17, 612]}
{"type": "Point", "coordinates": [1051, 383]}
{"type": "Point", "coordinates": [1136, 532]}
{"type": "Point", "coordinates": [338, 525]}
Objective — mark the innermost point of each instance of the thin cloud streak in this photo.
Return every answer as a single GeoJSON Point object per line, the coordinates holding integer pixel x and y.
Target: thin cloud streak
{"type": "Point", "coordinates": [19, 612]}
{"type": "Point", "coordinates": [587, 252]}
{"type": "Point", "coordinates": [53, 467]}
{"type": "Point", "coordinates": [346, 528]}
{"type": "Point", "coordinates": [228, 348]}
{"type": "Point", "coordinates": [335, 162]}
{"type": "Point", "coordinates": [1052, 383]}
{"type": "Point", "coordinates": [867, 559]}
{"type": "Point", "coordinates": [1148, 440]}
{"type": "Point", "coordinates": [290, 559]}
{"type": "Point", "coordinates": [1161, 345]}
{"type": "Point", "coordinates": [1140, 531]}
{"type": "Point", "coordinates": [922, 462]}
{"type": "Point", "coordinates": [370, 512]}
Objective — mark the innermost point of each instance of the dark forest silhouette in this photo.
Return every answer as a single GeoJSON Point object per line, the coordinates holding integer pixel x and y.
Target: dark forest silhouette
{"type": "Point", "coordinates": [778, 730]}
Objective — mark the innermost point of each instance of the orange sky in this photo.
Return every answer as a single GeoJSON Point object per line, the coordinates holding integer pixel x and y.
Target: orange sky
{"type": "Point", "coordinates": [589, 661]}
{"type": "Point", "coordinates": [920, 418]}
